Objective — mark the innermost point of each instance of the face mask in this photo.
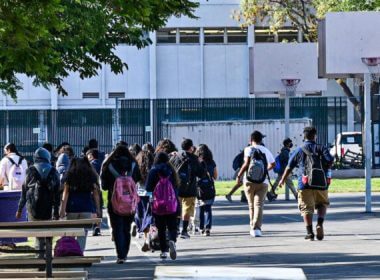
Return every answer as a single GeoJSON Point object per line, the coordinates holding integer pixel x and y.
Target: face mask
{"type": "Point", "coordinates": [290, 145]}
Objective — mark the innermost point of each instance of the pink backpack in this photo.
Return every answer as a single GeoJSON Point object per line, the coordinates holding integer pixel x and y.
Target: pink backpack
{"type": "Point", "coordinates": [164, 198]}
{"type": "Point", "coordinates": [124, 197]}
{"type": "Point", "coordinates": [67, 246]}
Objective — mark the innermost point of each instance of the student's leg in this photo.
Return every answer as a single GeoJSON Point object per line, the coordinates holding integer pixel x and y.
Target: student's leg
{"type": "Point", "coordinates": [306, 205]}
{"type": "Point", "coordinates": [127, 223]}
{"type": "Point", "coordinates": [160, 221]}
{"type": "Point", "coordinates": [201, 216]}
{"type": "Point", "coordinates": [289, 183]}
{"type": "Point", "coordinates": [322, 202]}
{"type": "Point", "coordinates": [259, 198]}
{"type": "Point", "coordinates": [249, 193]}
{"type": "Point", "coordinates": [208, 216]}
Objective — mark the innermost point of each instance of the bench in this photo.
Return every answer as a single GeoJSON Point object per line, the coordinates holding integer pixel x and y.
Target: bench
{"type": "Point", "coordinates": [57, 262]}
{"type": "Point", "coordinates": [41, 274]}
{"type": "Point", "coordinates": [47, 230]}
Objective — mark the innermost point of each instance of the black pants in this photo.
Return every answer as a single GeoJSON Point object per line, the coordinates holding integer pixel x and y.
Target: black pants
{"type": "Point", "coordinates": [121, 231]}
{"type": "Point", "coordinates": [164, 222]}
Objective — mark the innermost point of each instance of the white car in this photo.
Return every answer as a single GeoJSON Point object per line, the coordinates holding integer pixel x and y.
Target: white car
{"type": "Point", "coordinates": [347, 141]}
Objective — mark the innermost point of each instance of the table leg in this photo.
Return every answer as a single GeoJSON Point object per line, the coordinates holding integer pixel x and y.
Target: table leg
{"type": "Point", "coordinates": [49, 257]}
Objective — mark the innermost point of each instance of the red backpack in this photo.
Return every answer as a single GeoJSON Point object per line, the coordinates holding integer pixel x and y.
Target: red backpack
{"type": "Point", "coordinates": [67, 247]}
{"type": "Point", "coordinates": [124, 197]}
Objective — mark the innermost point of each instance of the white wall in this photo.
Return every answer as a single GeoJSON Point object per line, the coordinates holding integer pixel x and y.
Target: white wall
{"type": "Point", "coordinates": [226, 139]}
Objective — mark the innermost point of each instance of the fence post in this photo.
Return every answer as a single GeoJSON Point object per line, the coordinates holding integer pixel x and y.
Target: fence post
{"type": "Point", "coordinates": [42, 127]}
{"type": "Point", "coordinates": [116, 123]}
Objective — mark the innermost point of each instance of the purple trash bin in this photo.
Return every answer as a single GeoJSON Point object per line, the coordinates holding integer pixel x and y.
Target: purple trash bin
{"type": "Point", "coordinates": [8, 207]}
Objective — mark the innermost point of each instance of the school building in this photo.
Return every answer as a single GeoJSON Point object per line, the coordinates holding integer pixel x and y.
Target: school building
{"type": "Point", "coordinates": [196, 70]}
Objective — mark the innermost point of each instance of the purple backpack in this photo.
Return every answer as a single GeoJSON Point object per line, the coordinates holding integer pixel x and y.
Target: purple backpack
{"type": "Point", "coordinates": [164, 198]}
{"type": "Point", "coordinates": [67, 247]}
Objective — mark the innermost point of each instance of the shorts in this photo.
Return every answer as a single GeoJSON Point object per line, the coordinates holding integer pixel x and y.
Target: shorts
{"type": "Point", "coordinates": [309, 200]}
{"type": "Point", "coordinates": [188, 206]}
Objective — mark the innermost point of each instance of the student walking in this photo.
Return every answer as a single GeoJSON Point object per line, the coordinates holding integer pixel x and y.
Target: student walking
{"type": "Point", "coordinates": [12, 168]}
{"type": "Point", "coordinates": [143, 217]}
{"type": "Point", "coordinates": [206, 188]}
{"type": "Point", "coordinates": [282, 159]}
{"type": "Point", "coordinates": [236, 165]}
{"type": "Point", "coordinates": [258, 160]}
{"type": "Point", "coordinates": [119, 163]}
{"type": "Point", "coordinates": [163, 181]}
{"type": "Point", "coordinates": [40, 193]}
{"type": "Point", "coordinates": [314, 162]}
{"type": "Point", "coordinates": [79, 194]}
{"type": "Point", "coordinates": [189, 169]}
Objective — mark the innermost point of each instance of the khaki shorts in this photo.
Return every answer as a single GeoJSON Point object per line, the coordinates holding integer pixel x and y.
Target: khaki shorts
{"type": "Point", "coordinates": [309, 200]}
{"type": "Point", "coordinates": [188, 206]}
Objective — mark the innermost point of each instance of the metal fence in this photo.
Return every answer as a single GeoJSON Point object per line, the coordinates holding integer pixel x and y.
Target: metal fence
{"type": "Point", "coordinates": [140, 121]}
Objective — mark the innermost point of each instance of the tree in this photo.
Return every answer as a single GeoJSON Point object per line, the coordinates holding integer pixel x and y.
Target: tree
{"type": "Point", "coordinates": [304, 15]}
{"type": "Point", "coordinates": [48, 39]}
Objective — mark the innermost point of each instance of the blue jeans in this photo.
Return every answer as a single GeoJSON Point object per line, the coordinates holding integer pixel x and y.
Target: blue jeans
{"type": "Point", "coordinates": [205, 217]}
{"type": "Point", "coordinates": [121, 232]}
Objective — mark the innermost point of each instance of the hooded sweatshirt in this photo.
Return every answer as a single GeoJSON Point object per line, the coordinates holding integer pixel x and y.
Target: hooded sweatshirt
{"type": "Point", "coordinates": [162, 169]}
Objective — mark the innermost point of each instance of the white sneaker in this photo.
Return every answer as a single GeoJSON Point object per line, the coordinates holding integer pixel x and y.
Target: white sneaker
{"type": "Point", "coordinates": [258, 233]}
{"type": "Point", "coordinates": [252, 233]}
{"type": "Point", "coordinates": [163, 255]}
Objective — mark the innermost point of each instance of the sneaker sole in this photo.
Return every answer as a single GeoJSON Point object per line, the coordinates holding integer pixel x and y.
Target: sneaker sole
{"type": "Point", "coordinates": [320, 233]}
{"type": "Point", "coordinates": [172, 250]}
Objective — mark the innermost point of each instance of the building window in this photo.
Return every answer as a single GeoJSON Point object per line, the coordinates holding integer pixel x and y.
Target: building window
{"type": "Point", "coordinates": [167, 36]}
{"type": "Point", "coordinates": [236, 35]}
{"type": "Point", "coordinates": [214, 35]}
{"type": "Point", "coordinates": [116, 95]}
{"type": "Point", "coordinates": [264, 35]}
{"type": "Point", "coordinates": [87, 95]}
{"type": "Point", "coordinates": [287, 34]}
{"type": "Point", "coordinates": [189, 36]}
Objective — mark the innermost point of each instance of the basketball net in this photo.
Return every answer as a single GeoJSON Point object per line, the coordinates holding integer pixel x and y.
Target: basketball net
{"type": "Point", "coordinates": [290, 86]}
{"type": "Point", "coordinates": [373, 64]}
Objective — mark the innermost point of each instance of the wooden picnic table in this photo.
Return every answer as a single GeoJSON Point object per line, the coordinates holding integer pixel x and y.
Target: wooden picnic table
{"type": "Point", "coordinates": [47, 230]}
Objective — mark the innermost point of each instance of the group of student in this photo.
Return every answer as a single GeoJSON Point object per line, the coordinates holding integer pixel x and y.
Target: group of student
{"type": "Point", "coordinates": [154, 188]}
{"type": "Point", "coordinates": [60, 185]}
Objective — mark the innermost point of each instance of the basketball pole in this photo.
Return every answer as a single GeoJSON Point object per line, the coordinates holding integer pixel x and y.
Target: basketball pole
{"type": "Point", "coordinates": [287, 132]}
{"type": "Point", "coordinates": [368, 141]}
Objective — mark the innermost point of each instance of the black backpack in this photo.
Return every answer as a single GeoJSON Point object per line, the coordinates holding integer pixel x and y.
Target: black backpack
{"type": "Point", "coordinates": [314, 175]}
{"type": "Point", "coordinates": [206, 188]}
{"type": "Point", "coordinates": [238, 161]}
{"type": "Point", "coordinates": [181, 164]}
{"type": "Point", "coordinates": [41, 195]}
{"type": "Point", "coordinates": [258, 167]}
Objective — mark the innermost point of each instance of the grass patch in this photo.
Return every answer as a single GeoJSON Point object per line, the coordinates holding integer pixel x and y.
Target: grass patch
{"type": "Point", "coordinates": [337, 186]}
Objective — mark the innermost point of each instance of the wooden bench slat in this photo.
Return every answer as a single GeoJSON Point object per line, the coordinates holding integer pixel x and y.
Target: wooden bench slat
{"type": "Point", "coordinates": [31, 274]}
{"type": "Point", "coordinates": [57, 262]}
{"type": "Point", "coordinates": [80, 223]}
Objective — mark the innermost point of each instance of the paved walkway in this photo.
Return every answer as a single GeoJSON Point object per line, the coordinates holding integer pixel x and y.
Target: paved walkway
{"type": "Point", "coordinates": [350, 249]}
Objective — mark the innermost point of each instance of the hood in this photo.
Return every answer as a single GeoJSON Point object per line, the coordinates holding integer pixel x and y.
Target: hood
{"type": "Point", "coordinates": [42, 155]}
{"type": "Point", "coordinates": [163, 169]}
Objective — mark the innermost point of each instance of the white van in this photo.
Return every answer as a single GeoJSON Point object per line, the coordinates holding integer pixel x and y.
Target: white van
{"type": "Point", "coordinates": [347, 141]}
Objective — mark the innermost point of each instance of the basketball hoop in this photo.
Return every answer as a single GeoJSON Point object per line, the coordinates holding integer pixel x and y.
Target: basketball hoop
{"type": "Point", "coordinates": [290, 86]}
{"type": "Point", "coordinates": [373, 64]}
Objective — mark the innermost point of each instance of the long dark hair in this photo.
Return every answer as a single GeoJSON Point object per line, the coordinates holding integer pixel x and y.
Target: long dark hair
{"type": "Point", "coordinates": [12, 149]}
{"type": "Point", "coordinates": [145, 161]}
{"type": "Point", "coordinates": [119, 152]}
{"type": "Point", "coordinates": [163, 157]}
{"type": "Point", "coordinates": [81, 176]}
{"type": "Point", "coordinates": [165, 145]}
{"type": "Point", "coordinates": [135, 149]}
{"type": "Point", "coordinates": [204, 153]}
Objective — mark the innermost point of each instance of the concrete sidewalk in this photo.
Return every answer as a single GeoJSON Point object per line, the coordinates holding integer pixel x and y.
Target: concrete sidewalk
{"type": "Point", "coordinates": [350, 249]}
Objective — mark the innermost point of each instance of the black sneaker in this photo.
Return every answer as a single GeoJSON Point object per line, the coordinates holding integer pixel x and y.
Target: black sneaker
{"type": "Point", "coordinates": [320, 233]}
{"type": "Point", "coordinates": [134, 230]}
{"type": "Point", "coordinates": [96, 232]}
{"type": "Point", "coordinates": [185, 235]}
{"type": "Point", "coordinates": [309, 237]}
{"type": "Point", "coordinates": [208, 232]}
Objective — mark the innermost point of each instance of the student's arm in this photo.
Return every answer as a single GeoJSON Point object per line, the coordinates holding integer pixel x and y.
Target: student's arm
{"type": "Point", "coordinates": [149, 183]}
{"type": "Point", "coordinates": [65, 197]}
{"type": "Point", "coordinates": [243, 168]}
{"type": "Point", "coordinates": [22, 201]}
{"type": "Point", "coordinates": [3, 168]}
{"type": "Point", "coordinates": [293, 162]}
{"type": "Point", "coordinates": [215, 175]}
{"type": "Point", "coordinates": [96, 194]}
{"type": "Point", "coordinates": [57, 195]}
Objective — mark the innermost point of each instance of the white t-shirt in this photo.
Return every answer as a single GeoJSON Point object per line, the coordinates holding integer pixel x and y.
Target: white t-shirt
{"type": "Point", "coordinates": [268, 155]}
{"type": "Point", "coordinates": [5, 166]}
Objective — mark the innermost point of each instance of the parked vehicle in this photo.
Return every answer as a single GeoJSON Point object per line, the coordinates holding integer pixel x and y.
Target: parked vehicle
{"type": "Point", "coordinates": [348, 150]}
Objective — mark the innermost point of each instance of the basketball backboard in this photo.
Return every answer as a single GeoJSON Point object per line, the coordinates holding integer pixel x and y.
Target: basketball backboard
{"type": "Point", "coordinates": [344, 38]}
{"type": "Point", "coordinates": [273, 62]}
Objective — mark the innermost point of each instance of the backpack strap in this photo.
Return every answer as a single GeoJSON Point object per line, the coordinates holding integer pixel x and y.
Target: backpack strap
{"type": "Point", "coordinates": [113, 170]}
{"type": "Point", "coordinates": [20, 160]}
{"type": "Point", "coordinates": [308, 153]}
{"type": "Point", "coordinates": [11, 160]}
{"type": "Point", "coordinates": [130, 173]}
